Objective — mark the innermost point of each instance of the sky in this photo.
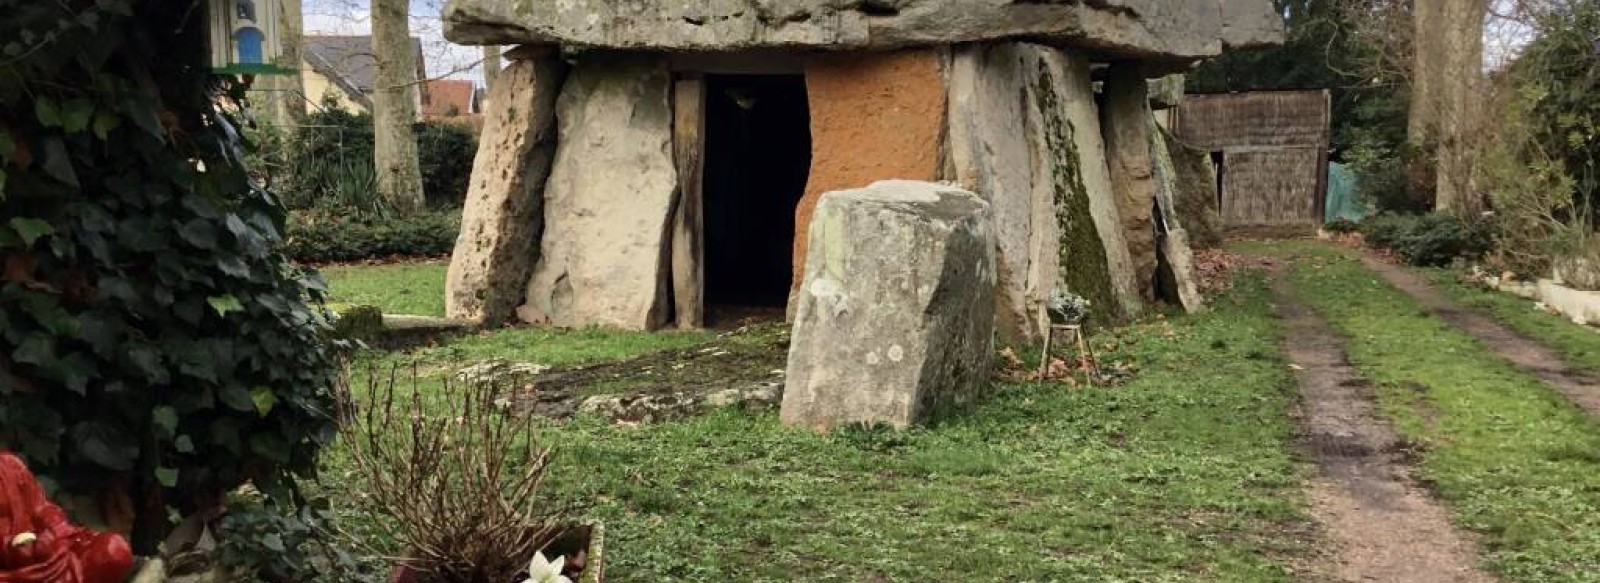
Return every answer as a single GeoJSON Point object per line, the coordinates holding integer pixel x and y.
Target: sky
{"type": "Point", "coordinates": [352, 17]}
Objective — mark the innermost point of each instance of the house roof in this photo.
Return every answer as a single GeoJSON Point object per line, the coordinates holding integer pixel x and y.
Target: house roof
{"type": "Point", "coordinates": [449, 97]}
{"type": "Point", "coordinates": [349, 62]}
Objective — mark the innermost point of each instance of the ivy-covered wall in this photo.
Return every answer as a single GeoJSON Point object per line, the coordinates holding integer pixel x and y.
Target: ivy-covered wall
{"type": "Point", "coordinates": [156, 348]}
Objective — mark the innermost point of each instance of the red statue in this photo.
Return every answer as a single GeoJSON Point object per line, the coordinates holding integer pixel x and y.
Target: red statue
{"type": "Point", "coordinates": [38, 545]}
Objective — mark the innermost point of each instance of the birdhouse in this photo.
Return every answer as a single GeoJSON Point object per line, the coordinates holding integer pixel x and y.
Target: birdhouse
{"type": "Point", "coordinates": [244, 37]}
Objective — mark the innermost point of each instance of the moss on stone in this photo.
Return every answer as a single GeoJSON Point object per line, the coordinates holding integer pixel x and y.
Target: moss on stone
{"type": "Point", "coordinates": [1083, 266]}
{"type": "Point", "coordinates": [357, 322]}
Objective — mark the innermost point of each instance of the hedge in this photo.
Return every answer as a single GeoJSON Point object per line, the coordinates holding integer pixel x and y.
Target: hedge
{"type": "Point", "coordinates": [325, 239]}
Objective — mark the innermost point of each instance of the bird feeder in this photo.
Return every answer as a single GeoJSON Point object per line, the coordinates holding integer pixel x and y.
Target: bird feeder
{"type": "Point", "coordinates": [245, 37]}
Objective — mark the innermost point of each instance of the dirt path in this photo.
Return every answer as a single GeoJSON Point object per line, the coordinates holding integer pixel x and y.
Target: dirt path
{"type": "Point", "coordinates": [1386, 528]}
{"type": "Point", "coordinates": [1527, 354]}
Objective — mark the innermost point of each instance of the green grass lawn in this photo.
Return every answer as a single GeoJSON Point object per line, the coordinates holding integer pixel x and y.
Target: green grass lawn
{"type": "Point", "coordinates": [415, 289]}
{"type": "Point", "coordinates": [1184, 474]}
{"type": "Point", "coordinates": [1579, 345]}
{"type": "Point", "coordinates": [1514, 461]}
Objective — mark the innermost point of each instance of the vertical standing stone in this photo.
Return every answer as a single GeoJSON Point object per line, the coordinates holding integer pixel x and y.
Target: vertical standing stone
{"type": "Point", "coordinates": [1175, 275]}
{"type": "Point", "coordinates": [1025, 132]}
{"type": "Point", "coordinates": [502, 218]}
{"type": "Point", "coordinates": [895, 317]}
{"type": "Point", "coordinates": [609, 202]}
{"type": "Point", "coordinates": [992, 156]}
{"type": "Point", "coordinates": [1126, 121]}
{"type": "Point", "coordinates": [1196, 179]}
{"type": "Point", "coordinates": [1083, 250]}
{"type": "Point", "coordinates": [874, 116]}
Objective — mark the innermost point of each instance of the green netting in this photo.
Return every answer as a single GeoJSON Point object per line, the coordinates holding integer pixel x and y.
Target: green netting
{"type": "Point", "coordinates": [1342, 200]}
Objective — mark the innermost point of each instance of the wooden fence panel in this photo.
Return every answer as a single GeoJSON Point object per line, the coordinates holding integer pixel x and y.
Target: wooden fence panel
{"type": "Point", "coordinates": [1271, 187]}
{"type": "Point", "coordinates": [1259, 119]}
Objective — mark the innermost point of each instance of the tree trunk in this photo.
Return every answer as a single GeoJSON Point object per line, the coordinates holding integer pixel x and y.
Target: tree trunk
{"type": "Point", "coordinates": [292, 100]}
{"type": "Point", "coordinates": [1461, 96]}
{"type": "Point", "coordinates": [1426, 69]}
{"type": "Point", "coordinates": [491, 66]}
{"type": "Point", "coordinates": [394, 107]}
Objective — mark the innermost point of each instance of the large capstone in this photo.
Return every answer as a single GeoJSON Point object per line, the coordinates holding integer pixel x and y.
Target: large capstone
{"type": "Point", "coordinates": [896, 312]}
{"type": "Point", "coordinates": [503, 215]}
{"type": "Point", "coordinates": [1167, 32]}
{"type": "Point", "coordinates": [608, 204]}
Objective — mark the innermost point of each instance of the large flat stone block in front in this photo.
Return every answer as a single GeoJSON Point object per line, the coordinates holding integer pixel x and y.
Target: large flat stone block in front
{"type": "Point", "coordinates": [896, 312]}
{"type": "Point", "coordinates": [608, 205]}
{"type": "Point", "coordinates": [504, 212]}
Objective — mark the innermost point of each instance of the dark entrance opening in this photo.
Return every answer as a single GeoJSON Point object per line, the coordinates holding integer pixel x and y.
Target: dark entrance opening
{"type": "Point", "coordinates": [757, 160]}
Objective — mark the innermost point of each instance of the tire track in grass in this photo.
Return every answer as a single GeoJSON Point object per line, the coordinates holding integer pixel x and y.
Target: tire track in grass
{"type": "Point", "coordinates": [1387, 527]}
{"type": "Point", "coordinates": [1527, 354]}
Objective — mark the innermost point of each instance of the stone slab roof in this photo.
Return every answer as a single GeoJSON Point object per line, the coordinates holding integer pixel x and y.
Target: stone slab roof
{"type": "Point", "coordinates": [1157, 30]}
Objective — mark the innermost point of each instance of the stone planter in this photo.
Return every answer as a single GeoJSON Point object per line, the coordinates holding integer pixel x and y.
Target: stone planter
{"type": "Point", "coordinates": [587, 538]}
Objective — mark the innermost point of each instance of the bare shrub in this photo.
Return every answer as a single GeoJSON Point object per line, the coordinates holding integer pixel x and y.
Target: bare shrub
{"type": "Point", "coordinates": [459, 475]}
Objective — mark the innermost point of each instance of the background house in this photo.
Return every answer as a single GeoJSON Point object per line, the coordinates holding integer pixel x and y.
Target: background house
{"type": "Point", "coordinates": [345, 68]}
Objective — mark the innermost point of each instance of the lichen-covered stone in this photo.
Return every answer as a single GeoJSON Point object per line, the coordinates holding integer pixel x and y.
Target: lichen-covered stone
{"type": "Point", "coordinates": [1025, 135]}
{"type": "Point", "coordinates": [1172, 32]}
{"type": "Point", "coordinates": [993, 157]}
{"type": "Point", "coordinates": [1176, 278]}
{"type": "Point", "coordinates": [1127, 137]}
{"type": "Point", "coordinates": [608, 204]}
{"type": "Point", "coordinates": [896, 311]}
{"type": "Point", "coordinates": [503, 215]}
{"type": "Point", "coordinates": [1195, 178]}
{"type": "Point", "coordinates": [1082, 246]}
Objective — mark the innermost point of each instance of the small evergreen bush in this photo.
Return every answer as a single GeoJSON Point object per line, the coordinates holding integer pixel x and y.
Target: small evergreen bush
{"type": "Point", "coordinates": [1433, 239]}
{"type": "Point", "coordinates": [317, 238]}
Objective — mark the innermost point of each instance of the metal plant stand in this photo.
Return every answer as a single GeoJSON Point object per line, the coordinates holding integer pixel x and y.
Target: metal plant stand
{"type": "Point", "coordinates": [1086, 359]}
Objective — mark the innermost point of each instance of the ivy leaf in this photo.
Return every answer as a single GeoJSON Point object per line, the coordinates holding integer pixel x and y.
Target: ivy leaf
{"type": "Point", "coordinates": [167, 476]}
{"type": "Point", "coordinates": [199, 233]}
{"type": "Point", "coordinates": [238, 398]}
{"type": "Point", "coordinates": [183, 444]}
{"type": "Point", "coordinates": [76, 115]}
{"type": "Point", "coordinates": [263, 399]}
{"type": "Point", "coordinates": [104, 122]}
{"type": "Point", "coordinates": [57, 163]}
{"type": "Point", "coordinates": [7, 146]}
{"type": "Point", "coordinates": [273, 542]}
{"type": "Point", "coordinates": [225, 304]}
{"type": "Point", "coordinates": [270, 446]}
{"type": "Point", "coordinates": [36, 350]}
{"type": "Point", "coordinates": [165, 418]}
{"type": "Point", "coordinates": [105, 445]}
{"type": "Point", "coordinates": [31, 229]}
{"type": "Point", "coordinates": [45, 109]}
{"type": "Point", "coordinates": [75, 370]}
{"type": "Point", "coordinates": [2, 185]}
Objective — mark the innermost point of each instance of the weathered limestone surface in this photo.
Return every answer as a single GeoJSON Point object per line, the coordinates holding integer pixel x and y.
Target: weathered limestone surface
{"type": "Point", "coordinates": [1195, 177]}
{"type": "Point", "coordinates": [1177, 282]}
{"type": "Point", "coordinates": [878, 116]}
{"type": "Point", "coordinates": [608, 204]}
{"type": "Point", "coordinates": [993, 157]}
{"type": "Point", "coordinates": [503, 216]}
{"type": "Point", "coordinates": [896, 314]}
{"type": "Point", "coordinates": [1024, 133]}
{"type": "Point", "coordinates": [1089, 248]}
{"type": "Point", "coordinates": [1169, 31]}
{"type": "Point", "coordinates": [1127, 137]}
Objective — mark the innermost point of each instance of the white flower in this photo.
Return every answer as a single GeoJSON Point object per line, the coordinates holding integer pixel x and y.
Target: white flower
{"type": "Point", "coordinates": [542, 570]}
